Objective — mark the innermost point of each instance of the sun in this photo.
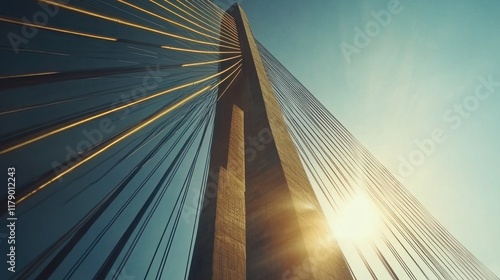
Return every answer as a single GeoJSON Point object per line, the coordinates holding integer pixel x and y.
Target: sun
{"type": "Point", "coordinates": [358, 220]}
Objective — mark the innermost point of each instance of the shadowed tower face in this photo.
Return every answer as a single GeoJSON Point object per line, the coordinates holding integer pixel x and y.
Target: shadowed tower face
{"type": "Point", "coordinates": [260, 218]}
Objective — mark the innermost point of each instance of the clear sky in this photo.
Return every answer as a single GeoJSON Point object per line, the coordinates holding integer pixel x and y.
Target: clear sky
{"type": "Point", "coordinates": [424, 70]}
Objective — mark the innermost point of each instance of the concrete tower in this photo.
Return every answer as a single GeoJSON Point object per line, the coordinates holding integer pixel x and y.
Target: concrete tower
{"type": "Point", "coordinates": [261, 218]}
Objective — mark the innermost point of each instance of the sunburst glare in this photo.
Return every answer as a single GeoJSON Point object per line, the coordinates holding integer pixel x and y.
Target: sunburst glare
{"type": "Point", "coordinates": [358, 220]}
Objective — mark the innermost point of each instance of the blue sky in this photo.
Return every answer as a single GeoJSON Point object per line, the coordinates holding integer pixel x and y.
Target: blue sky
{"type": "Point", "coordinates": [415, 76]}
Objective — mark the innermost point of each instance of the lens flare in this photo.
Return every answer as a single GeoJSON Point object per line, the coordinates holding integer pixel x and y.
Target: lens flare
{"type": "Point", "coordinates": [358, 220]}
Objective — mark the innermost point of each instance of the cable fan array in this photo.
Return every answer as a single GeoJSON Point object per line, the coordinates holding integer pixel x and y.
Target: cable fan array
{"type": "Point", "coordinates": [406, 242]}
{"type": "Point", "coordinates": [116, 99]}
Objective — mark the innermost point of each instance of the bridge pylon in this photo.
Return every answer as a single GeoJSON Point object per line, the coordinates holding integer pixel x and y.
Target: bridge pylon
{"type": "Point", "coordinates": [260, 217]}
